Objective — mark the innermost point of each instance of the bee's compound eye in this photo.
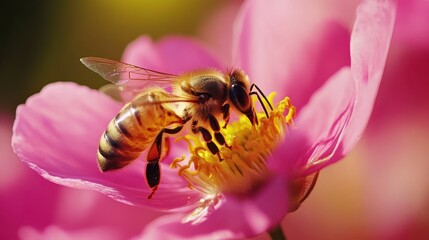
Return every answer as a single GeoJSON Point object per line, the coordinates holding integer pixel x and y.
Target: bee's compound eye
{"type": "Point", "coordinates": [239, 97]}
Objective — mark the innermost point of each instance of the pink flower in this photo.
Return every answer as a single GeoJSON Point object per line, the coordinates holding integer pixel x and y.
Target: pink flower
{"type": "Point", "coordinates": [33, 208]}
{"type": "Point", "coordinates": [57, 131]}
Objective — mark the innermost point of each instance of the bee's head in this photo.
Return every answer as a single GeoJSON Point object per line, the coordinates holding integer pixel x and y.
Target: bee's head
{"type": "Point", "coordinates": [239, 93]}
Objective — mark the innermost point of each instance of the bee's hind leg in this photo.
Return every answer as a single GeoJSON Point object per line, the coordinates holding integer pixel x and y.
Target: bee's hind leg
{"type": "Point", "coordinates": [153, 171]}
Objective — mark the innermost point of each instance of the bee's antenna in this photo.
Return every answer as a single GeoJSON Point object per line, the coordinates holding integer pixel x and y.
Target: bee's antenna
{"type": "Point", "coordinates": [259, 98]}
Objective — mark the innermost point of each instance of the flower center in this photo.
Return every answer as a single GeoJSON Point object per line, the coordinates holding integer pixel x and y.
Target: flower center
{"type": "Point", "coordinates": [243, 166]}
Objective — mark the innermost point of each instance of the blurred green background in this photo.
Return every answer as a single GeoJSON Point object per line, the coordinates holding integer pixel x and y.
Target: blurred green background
{"type": "Point", "coordinates": [42, 41]}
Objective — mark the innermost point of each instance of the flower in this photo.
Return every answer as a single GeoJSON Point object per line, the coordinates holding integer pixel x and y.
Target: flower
{"type": "Point", "coordinates": [281, 50]}
{"type": "Point", "coordinates": [34, 208]}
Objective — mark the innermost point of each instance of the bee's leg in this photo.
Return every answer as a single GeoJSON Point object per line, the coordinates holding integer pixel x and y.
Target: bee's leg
{"type": "Point", "coordinates": [166, 149]}
{"type": "Point", "coordinates": [153, 172]}
{"type": "Point", "coordinates": [214, 124]}
{"type": "Point", "coordinates": [207, 137]}
{"type": "Point", "coordinates": [225, 112]}
{"type": "Point", "coordinates": [153, 175]}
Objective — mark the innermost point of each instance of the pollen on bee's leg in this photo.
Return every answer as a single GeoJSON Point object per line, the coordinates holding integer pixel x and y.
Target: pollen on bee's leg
{"type": "Point", "coordinates": [243, 166]}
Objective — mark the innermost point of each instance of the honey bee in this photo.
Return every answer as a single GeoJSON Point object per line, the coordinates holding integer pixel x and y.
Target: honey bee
{"type": "Point", "coordinates": [201, 97]}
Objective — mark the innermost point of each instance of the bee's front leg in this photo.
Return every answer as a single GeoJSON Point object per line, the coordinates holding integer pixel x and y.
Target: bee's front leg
{"type": "Point", "coordinates": [225, 112]}
{"type": "Point", "coordinates": [214, 124]}
{"type": "Point", "coordinates": [207, 138]}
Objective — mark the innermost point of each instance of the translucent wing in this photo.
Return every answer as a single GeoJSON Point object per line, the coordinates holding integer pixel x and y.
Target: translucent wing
{"type": "Point", "coordinates": [118, 92]}
{"type": "Point", "coordinates": [123, 73]}
{"type": "Point", "coordinates": [128, 80]}
{"type": "Point", "coordinates": [165, 97]}
{"type": "Point", "coordinates": [125, 94]}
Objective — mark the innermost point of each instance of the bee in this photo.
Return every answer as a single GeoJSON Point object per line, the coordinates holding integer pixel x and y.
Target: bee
{"type": "Point", "coordinates": [201, 97]}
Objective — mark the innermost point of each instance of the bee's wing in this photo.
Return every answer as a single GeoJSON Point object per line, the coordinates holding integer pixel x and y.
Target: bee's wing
{"type": "Point", "coordinates": [164, 97]}
{"type": "Point", "coordinates": [177, 103]}
{"type": "Point", "coordinates": [128, 80]}
{"type": "Point", "coordinates": [123, 74]}
{"type": "Point", "coordinates": [125, 94]}
{"type": "Point", "coordinates": [118, 92]}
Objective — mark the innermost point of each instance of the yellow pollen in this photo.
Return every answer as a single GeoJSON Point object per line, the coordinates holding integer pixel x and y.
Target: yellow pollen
{"type": "Point", "coordinates": [243, 166]}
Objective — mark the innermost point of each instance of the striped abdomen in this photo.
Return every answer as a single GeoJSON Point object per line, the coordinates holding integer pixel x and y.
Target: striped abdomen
{"type": "Point", "coordinates": [133, 129]}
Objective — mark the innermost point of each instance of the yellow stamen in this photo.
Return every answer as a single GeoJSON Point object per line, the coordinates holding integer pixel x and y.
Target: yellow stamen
{"type": "Point", "coordinates": [243, 167]}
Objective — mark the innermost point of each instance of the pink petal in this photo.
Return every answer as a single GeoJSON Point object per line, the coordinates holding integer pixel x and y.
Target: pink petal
{"type": "Point", "coordinates": [30, 202]}
{"type": "Point", "coordinates": [284, 50]}
{"type": "Point", "coordinates": [171, 54]}
{"type": "Point", "coordinates": [334, 119]}
{"type": "Point", "coordinates": [235, 218]}
{"type": "Point", "coordinates": [54, 232]}
{"type": "Point", "coordinates": [318, 128]}
{"type": "Point", "coordinates": [57, 133]}
{"type": "Point", "coordinates": [370, 42]}
{"type": "Point", "coordinates": [406, 72]}
{"type": "Point", "coordinates": [17, 185]}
